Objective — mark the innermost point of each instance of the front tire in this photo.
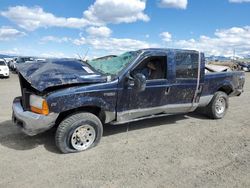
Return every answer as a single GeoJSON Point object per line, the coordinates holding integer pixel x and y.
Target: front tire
{"type": "Point", "coordinates": [218, 106]}
{"type": "Point", "coordinates": [78, 132]}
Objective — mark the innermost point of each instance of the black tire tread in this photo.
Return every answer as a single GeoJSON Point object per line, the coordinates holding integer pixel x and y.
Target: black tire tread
{"type": "Point", "coordinates": [210, 108]}
{"type": "Point", "coordinates": [68, 121]}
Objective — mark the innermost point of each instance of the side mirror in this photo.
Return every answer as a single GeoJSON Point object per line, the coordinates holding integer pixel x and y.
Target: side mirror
{"type": "Point", "coordinates": [139, 82]}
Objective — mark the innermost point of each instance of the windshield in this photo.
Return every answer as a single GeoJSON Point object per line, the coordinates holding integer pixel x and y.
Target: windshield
{"type": "Point", "coordinates": [113, 65]}
{"type": "Point", "coordinates": [2, 63]}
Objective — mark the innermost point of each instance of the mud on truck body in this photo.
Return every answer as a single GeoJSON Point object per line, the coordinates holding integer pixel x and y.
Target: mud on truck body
{"type": "Point", "coordinates": [78, 97]}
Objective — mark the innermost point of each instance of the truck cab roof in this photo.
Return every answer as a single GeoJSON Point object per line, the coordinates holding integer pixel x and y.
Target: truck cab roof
{"type": "Point", "coordinates": [168, 50]}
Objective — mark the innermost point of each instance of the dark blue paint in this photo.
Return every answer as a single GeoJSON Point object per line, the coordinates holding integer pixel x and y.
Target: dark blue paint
{"type": "Point", "coordinates": [90, 95]}
{"type": "Point", "coordinates": [213, 82]}
{"type": "Point", "coordinates": [43, 75]}
{"type": "Point", "coordinates": [115, 96]}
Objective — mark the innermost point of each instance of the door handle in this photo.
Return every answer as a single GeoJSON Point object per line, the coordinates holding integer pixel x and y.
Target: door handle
{"type": "Point", "coordinates": [167, 90]}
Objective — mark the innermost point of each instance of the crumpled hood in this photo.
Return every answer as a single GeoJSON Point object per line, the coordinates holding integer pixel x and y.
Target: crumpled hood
{"type": "Point", "coordinates": [42, 75]}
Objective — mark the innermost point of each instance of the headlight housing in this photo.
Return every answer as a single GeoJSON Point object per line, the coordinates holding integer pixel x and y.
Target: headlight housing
{"type": "Point", "coordinates": [39, 105]}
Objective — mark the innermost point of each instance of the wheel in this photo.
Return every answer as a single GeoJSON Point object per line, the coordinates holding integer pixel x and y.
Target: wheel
{"type": "Point", "coordinates": [218, 106]}
{"type": "Point", "coordinates": [78, 132]}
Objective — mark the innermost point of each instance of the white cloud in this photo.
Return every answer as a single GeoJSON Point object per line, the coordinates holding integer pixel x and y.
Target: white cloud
{"type": "Point", "coordinates": [114, 45]}
{"type": "Point", "coordinates": [55, 39]}
{"type": "Point", "coordinates": [8, 33]}
{"type": "Point", "coordinates": [239, 1]}
{"type": "Point", "coordinates": [35, 17]}
{"type": "Point", "coordinates": [223, 43]}
{"type": "Point", "coordinates": [100, 45]}
{"type": "Point", "coordinates": [99, 31]}
{"type": "Point", "coordinates": [99, 39]}
{"type": "Point", "coordinates": [14, 51]}
{"type": "Point", "coordinates": [100, 13]}
{"type": "Point", "coordinates": [117, 45]}
{"type": "Point", "coordinates": [116, 11]}
{"type": "Point", "coordinates": [166, 36]}
{"type": "Point", "coordinates": [53, 55]}
{"type": "Point", "coordinates": [180, 4]}
{"type": "Point", "coordinates": [80, 41]}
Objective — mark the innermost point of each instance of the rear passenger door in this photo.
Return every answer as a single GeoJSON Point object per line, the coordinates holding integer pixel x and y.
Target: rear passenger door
{"type": "Point", "coordinates": [183, 83]}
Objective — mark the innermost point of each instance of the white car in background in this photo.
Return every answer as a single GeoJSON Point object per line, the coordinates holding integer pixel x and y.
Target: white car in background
{"type": "Point", "coordinates": [4, 69]}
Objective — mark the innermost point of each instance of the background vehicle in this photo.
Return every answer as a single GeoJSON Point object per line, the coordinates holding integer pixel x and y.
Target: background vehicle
{"type": "Point", "coordinates": [18, 61]}
{"type": "Point", "coordinates": [11, 64]}
{"type": "Point", "coordinates": [8, 60]}
{"type": "Point", "coordinates": [40, 60]}
{"type": "Point", "coordinates": [80, 97]}
{"type": "Point", "coordinates": [244, 66]}
{"type": "Point", "coordinates": [4, 69]}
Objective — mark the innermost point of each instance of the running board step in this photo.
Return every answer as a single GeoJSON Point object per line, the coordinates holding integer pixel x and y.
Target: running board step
{"type": "Point", "coordinates": [139, 119]}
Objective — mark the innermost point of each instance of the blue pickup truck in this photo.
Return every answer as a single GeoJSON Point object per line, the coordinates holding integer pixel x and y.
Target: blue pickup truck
{"type": "Point", "coordinates": [79, 97]}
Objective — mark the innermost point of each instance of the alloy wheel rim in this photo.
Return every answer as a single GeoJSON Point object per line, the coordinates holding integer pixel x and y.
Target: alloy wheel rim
{"type": "Point", "coordinates": [83, 137]}
{"type": "Point", "coordinates": [220, 105]}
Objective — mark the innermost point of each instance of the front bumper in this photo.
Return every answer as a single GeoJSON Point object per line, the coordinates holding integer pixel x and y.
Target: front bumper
{"type": "Point", "coordinates": [31, 123]}
{"type": "Point", "coordinates": [4, 73]}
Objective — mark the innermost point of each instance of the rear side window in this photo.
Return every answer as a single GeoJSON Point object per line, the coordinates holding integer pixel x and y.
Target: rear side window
{"type": "Point", "coordinates": [186, 65]}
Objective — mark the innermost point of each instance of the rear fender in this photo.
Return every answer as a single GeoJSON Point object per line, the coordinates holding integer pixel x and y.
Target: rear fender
{"type": "Point", "coordinates": [226, 87]}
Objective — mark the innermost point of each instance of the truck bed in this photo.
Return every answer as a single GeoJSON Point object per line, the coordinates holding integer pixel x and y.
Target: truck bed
{"type": "Point", "coordinates": [223, 80]}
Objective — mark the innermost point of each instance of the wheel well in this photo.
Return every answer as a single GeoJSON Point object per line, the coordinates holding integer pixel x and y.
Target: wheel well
{"type": "Point", "coordinates": [226, 89]}
{"type": "Point", "coordinates": [91, 109]}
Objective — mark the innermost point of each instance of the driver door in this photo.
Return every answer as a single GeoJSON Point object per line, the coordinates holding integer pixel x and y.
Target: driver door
{"type": "Point", "coordinates": [134, 104]}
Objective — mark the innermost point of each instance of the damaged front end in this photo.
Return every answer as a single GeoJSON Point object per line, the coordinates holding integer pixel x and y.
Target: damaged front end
{"type": "Point", "coordinates": [40, 78]}
{"type": "Point", "coordinates": [31, 111]}
{"type": "Point", "coordinates": [54, 73]}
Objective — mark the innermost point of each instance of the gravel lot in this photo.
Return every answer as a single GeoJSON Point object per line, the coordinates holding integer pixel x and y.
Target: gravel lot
{"type": "Point", "coordinates": [175, 151]}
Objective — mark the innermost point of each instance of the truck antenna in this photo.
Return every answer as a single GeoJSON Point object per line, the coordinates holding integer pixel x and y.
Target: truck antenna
{"type": "Point", "coordinates": [79, 56]}
{"type": "Point", "coordinates": [86, 54]}
{"type": "Point", "coordinates": [234, 56]}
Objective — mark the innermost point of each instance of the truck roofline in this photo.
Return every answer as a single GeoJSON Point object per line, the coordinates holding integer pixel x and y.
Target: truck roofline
{"type": "Point", "coordinates": [169, 50]}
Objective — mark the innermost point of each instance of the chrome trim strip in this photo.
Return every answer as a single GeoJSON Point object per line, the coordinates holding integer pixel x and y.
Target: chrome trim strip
{"type": "Point", "coordinates": [205, 100]}
{"type": "Point", "coordinates": [198, 79]}
{"type": "Point", "coordinates": [139, 119]}
{"type": "Point", "coordinates": [166, 109]}
{"type": "Point", "coordinates": [109, 116]}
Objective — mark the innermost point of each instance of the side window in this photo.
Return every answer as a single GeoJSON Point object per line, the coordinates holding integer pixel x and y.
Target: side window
{"type": "Point", "coordinates": [186, 65]}
{"type": "Point", "coordinates": [153, 68]}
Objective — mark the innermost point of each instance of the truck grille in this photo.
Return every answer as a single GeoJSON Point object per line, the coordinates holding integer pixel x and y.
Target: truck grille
{"type": "Point", "coordinates": [26, 91]}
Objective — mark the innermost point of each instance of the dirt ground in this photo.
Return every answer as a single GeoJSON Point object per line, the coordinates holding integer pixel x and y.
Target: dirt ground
{"type": "Point", "coordinates": [175, 151]}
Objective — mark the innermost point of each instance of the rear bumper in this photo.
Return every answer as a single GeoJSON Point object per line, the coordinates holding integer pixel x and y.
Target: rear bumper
{"type": "Point", "coordinates": [239, 92]}
{"type": "Point", "coordinates": [29, 122]}
{"type": "Point", "coordinates": [236, 92]}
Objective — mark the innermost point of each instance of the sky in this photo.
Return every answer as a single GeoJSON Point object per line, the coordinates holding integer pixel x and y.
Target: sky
{"type": "Point", "coordinates": [102, 27]}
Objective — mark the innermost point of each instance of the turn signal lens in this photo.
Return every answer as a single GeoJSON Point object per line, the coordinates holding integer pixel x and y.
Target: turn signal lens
{"type": "Point", "coordinates": [39, 105]}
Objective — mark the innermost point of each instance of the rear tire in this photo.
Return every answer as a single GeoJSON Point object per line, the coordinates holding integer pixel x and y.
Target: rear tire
{"type": "Point", "coordinates": [218, 106]}
{"type": "Point", "coordinates": [78, 132]}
